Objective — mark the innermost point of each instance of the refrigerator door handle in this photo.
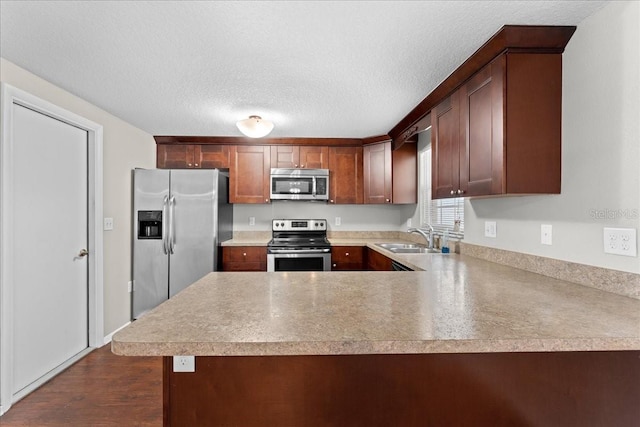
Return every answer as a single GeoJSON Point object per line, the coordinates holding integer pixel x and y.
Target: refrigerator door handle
{"type": "Point", "coordinates": [165, 240]}
{"type": "Point", "coordinates": [172, 211]}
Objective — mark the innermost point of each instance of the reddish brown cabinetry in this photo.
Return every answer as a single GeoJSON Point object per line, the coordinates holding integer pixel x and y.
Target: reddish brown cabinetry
{"type": "Point", "coordinates": [378, 262]}
{"type": "Point", "coordinates": [192, 156]}
{"type": "Point", "coordinates": [249, 173]}
{"type": "Point", "coordinates": [500, 132]}
{"type": "Point", "coordinates": [345, 175]}
{"type": "Point", "coordinates": [293, 156]}
{"type": "Point", "coordinates": [244, 258]}
{"type": "Point", "coordinates": [347, 258]}
{"type": "Point", "coordinates": [390, 176]}
{"type": "Point", "coordinates": [377, 173]}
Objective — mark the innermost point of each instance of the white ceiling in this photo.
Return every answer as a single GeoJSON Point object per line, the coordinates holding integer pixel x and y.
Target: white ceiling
{"type": "Point", "coordinates": [316, 68]}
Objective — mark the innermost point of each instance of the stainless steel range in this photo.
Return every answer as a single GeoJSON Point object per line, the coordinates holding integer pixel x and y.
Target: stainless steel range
{"type": "Point", "coordinates": [299, 245]}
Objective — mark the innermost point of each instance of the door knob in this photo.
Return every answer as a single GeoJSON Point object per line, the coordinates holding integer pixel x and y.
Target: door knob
{"type": "Point", "coordinates": [83, 252]}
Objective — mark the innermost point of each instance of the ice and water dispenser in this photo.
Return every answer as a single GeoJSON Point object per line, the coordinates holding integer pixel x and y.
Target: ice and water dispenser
{"type": "Point", "coordinates": [149, 224]}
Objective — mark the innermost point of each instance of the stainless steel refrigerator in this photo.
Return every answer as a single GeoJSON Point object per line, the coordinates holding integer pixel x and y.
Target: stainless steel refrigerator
{"type": "Point", "coordinates": [180, 218]}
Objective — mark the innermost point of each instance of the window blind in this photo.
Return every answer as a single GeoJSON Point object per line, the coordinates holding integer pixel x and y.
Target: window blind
{"type": "Point", "coordinates": [441, 214]}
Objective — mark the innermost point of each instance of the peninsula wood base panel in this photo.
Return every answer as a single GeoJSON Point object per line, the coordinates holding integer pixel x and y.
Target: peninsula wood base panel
{"type": "Point", "coordinates": [492, 389]}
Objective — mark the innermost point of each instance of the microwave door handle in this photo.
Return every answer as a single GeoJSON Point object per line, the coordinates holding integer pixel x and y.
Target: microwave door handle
{"type": "Point", "coordinates": [313, 179]}
{"type": "Point", "coordinates": [165, 219]}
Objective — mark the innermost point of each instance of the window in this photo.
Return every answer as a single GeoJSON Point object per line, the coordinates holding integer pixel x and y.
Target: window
{"type": "Point", "coordinates": [442, 214]}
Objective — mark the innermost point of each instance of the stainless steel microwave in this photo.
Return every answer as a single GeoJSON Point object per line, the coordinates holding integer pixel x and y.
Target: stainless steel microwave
{"type": "Point", "coordinates": [299, 184]}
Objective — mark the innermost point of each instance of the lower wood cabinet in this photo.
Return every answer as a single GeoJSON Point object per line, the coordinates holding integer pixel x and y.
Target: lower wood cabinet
{"type": "Point", "coordinates": [244, 258]}
{"type": "Point", "coordinates": [377, 262]}
{"type": "Point", "coordinates": [348, 258]}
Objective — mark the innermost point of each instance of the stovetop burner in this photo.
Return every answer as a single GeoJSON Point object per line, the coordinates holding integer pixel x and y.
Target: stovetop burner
{"type": "Point", "coordinates": [296, 234]}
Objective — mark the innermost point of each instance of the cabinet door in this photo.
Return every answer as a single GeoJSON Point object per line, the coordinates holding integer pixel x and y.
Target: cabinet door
{"type": "Point", "coordinates": [249, 174]}
{"type": "Point", "coordinates": [312, 157]}
{"type": "Point", "coordinates": [285, 156]}
{"type": "Point", "coordinates": [212, 156]}
{"type": "Point", "coordinates": [404, 172]}
{"type": "Point", "coordinates": [179, 156]}
{"type": "Point", "coordinates": [377, 173]}
{"type": "Point", "coordinates": [345, 169]}
{"type": "Point", "coordinates": [445, 137]}
{"type": "Point", "coordinates": [347, 258]}
{"type": "Point", "coordinates": [244, 258]}
{"type": "Point", "coordinates": [378, 262]}
{"type": "Point", "coordinates": [481, 124]}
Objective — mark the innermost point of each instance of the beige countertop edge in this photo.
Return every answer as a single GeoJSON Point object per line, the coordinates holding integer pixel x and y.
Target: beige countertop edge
{"type": "Point", "coordinates": [322, 348]}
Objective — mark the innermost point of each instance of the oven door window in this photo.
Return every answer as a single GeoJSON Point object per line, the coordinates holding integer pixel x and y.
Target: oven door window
{"type": "Point", "coordinates": [288, 185]}
{"type": "Point", "coordinates": [299, 264]}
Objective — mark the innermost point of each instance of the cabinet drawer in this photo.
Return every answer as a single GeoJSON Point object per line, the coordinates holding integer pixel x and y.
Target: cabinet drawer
{"type": "Point", "coordinates": [244, 258]}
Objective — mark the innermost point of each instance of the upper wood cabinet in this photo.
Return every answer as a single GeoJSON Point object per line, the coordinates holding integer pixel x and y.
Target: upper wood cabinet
{"type": "Point", "coordinates": [404, 174]}
{"type": "Point", "coordinates": [390, 176]}
{"type": "Point", "coordinates": [293, 156]}
{"type": "Point", "coordinates": [377, 173]}
{"type": "Point", "coordinates": [192, 156]}
{"type": "Point", "coordinates": [500, 132]}
{"type": "Point", "coordinates": [345, 175]}
{"type": "Point", "coordinates": [249, 173]}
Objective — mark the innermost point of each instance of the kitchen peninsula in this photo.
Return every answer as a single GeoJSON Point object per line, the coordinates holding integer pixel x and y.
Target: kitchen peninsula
{"type": "Point", "coordinates": [464, 341]}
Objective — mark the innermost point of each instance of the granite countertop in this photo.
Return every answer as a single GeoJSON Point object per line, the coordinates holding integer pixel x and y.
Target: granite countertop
{"type": "Point", "coordinates": [458, 304]}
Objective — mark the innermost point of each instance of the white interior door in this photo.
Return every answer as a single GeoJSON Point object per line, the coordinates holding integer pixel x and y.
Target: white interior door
{"type": "Point", "coordinates": [50, 211]}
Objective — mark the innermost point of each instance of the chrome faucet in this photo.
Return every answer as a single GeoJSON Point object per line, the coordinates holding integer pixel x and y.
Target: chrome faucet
{"type": "Point", "coordinates": [428, 237]}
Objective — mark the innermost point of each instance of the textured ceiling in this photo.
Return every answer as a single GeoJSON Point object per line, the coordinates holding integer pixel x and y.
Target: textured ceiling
{"type": "Point", "coordinates": [316, 68]}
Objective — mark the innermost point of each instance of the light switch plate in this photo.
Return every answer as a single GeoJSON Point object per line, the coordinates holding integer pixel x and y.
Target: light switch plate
{"type": "Point", "coordinates": [184, 364]}
{"type": "Point", "coordinates": [620, 241]}
{"type": "Point", "coordinates": [490, 229]}
{"type": "Point", "coordinates": [252, 220]}
{"type": "Point", "coordinates": [108, 224]}
{"type": "Point", "coordinates": [546, 234]}
{"type": "Point", "coordinates": [338, 220]}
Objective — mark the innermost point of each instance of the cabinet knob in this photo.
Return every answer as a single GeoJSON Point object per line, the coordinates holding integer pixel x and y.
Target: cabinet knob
{"type": "Point", "coordinates": [189, 164]}
{"type": "Point", "coordinates": [388, 200]}
{"type": "Point", "coordinates": [453, 192]}
{"type": "Point", "coordinates": [196, 165]}
{"type": "Point", "coordinates": [331, 201]}
{"type": "Point", "coordinates": [460, 191]}
{"type": "Point", "coordinates": [334, 265]}
{"type": "Point", "coordinates": [346, 254]}
{"type": "Point", "coordinates": [295, 166]}
{"type": "Point", "coordinates": [244, 254]}
{"type": "Point", "coordinates": [302, 166]}
{"type": "Point", "coordinates": [266, 200]}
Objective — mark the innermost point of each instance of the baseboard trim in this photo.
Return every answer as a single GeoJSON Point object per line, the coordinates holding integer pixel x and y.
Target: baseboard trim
{"type": "Point", "coordinates": [108, 338]}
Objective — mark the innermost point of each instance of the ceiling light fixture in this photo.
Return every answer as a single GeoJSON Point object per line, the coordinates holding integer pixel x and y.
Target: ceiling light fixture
{"type": "Point", "coordinates": [255, 127]}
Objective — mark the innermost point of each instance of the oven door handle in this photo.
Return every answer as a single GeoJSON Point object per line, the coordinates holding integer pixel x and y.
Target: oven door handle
{"type": "Point", "coordinates": [304, 251]}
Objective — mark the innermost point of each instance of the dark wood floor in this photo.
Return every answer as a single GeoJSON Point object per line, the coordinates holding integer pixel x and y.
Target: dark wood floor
{"type": "Point", "coordinates": [101, 389]}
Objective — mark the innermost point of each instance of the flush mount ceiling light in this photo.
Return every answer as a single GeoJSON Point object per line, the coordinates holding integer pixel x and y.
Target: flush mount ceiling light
{"type": "Point", "coordinates": [255, 127]}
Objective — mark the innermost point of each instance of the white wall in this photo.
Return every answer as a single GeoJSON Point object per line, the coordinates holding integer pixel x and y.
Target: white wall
{"type": "Point", "coordinates": [124, 147]}
{"type": "Point", "coordinates": [600, 152]}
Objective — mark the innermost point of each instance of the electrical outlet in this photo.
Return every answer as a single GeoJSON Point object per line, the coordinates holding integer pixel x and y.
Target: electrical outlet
{"type": "Point", "coordinates": [409, 223]}
{"type": "Point", "coordinates": [490, 229]}
{"type": "Point", "coordinates": [108, 224]}
{"type": "Point", "coordinates": [546, 234]}
{"type": "Point", "coordinates": [620, 241]}
{"type": "Point", "coordinates": [184, 364]}
{"type": "Point", "coordinates": [338, 220]}
{"type": "Point", "coordinates": [252, 220]}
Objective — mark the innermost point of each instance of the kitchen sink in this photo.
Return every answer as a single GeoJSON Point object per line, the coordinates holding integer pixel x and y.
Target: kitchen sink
{"type": "Point", "coordinates": [407, 248]}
